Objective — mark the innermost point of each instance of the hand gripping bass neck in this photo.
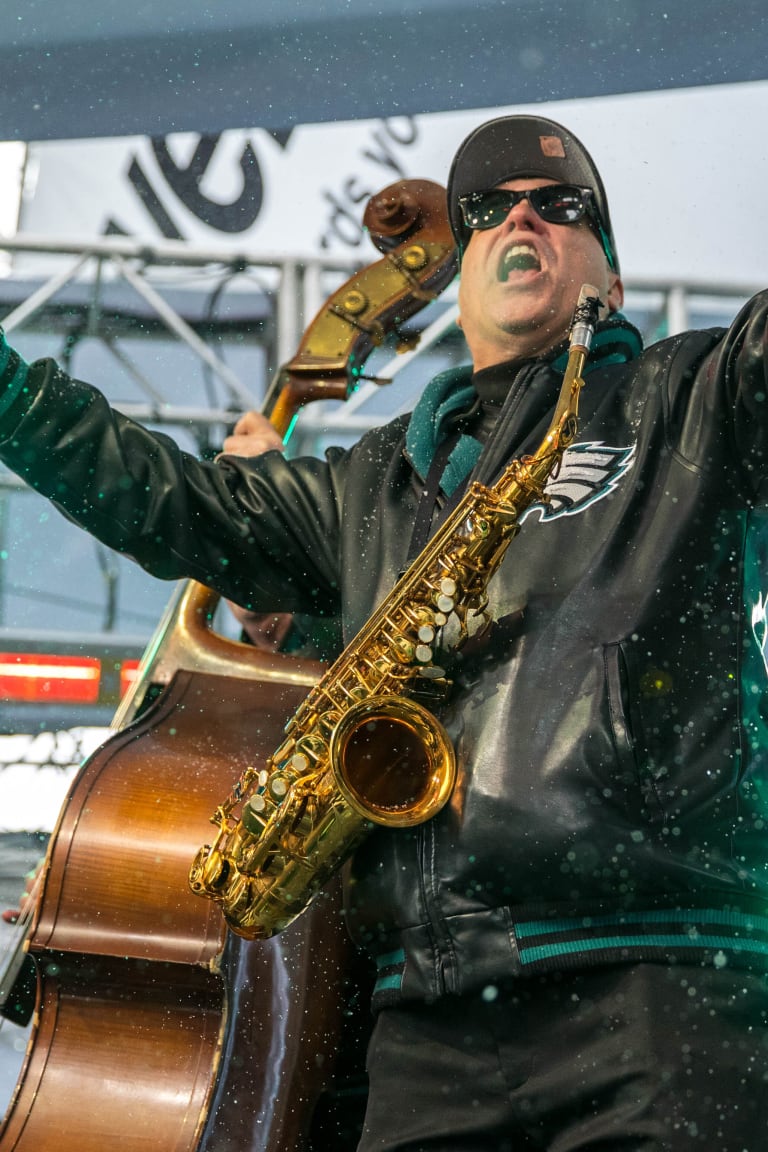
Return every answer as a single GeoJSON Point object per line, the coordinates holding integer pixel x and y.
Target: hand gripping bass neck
{"type": "Point", "coordinates": [359, 751]}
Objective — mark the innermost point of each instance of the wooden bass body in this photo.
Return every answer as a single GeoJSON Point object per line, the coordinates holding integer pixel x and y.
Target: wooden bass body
{"type": "Point", "coordinates": [153, 1031]}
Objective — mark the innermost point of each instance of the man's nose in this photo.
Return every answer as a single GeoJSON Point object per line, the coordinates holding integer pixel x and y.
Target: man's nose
{"type": "Point", "coordinates": [522, 215]}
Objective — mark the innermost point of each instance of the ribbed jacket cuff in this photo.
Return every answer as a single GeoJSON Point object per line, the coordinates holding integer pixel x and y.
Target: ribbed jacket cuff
{"type": "Point", "coordinates": [13, 374]}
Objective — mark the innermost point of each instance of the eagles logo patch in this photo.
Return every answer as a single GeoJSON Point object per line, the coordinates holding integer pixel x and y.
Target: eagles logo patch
{"type": "Point", "coordinates": [588, 472]}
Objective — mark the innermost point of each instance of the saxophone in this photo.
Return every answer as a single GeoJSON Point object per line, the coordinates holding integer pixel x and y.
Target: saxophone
{"type": "Point", "coordinates": [360, 752]}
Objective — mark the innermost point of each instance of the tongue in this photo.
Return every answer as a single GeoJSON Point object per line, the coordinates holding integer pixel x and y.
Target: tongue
{"type": "Point", "coordinates": [520, 262]}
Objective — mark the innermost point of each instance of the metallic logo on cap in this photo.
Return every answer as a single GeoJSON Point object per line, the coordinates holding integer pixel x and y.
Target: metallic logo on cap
{"type": "Point", "coordinates": [552, 146]}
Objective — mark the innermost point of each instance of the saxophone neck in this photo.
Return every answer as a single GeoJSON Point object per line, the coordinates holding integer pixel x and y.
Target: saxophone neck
{"type": "Point", "coordinates": [564, 421]}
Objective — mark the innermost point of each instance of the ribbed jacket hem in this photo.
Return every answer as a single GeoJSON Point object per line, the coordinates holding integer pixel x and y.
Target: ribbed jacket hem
{"type": "Point", "coordinates": [489, 948]}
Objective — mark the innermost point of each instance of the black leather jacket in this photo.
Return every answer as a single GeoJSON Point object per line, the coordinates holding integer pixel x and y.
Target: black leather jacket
{"type": "Point", "coordinates": [612, 800]}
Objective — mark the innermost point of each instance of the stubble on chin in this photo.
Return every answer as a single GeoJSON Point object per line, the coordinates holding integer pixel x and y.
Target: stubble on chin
{"type": "Point", "coordinates": [534, 334]}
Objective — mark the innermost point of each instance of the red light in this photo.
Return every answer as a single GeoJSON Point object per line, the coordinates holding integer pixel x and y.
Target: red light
{"type": "Point", "coordinates": [128, 670]}
{"type": "Point", "coordinates": [39, 678]}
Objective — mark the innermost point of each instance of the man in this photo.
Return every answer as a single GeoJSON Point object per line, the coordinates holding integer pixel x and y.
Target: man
{"type": "Point", "coordinates": [572, 952]}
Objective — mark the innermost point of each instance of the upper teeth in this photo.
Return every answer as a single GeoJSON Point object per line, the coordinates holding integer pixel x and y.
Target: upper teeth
{"type": "Point", "coordinates": [519, 256]}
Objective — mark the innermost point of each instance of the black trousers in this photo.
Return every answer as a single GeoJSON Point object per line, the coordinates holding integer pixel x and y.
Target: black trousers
{"type": "Point", "coordinates": [629, 1058]}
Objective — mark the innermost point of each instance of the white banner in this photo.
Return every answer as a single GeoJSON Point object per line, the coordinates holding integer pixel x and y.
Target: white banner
{"type": "Point", "coordinates": [686, 173]}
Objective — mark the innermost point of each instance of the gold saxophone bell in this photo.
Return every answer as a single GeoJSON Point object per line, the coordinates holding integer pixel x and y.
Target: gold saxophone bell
{"type": "Point", "coordinates": [393, 761]}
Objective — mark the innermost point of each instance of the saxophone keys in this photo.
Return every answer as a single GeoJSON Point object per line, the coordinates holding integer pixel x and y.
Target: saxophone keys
{"type": "Point", "coordinates": [404, 650]}
{"type": "Point", "coordinates": [445, 596]}
{"type": "Point", "coordinates": [279, 785]}
{"type": "Point", "coordinates": [257, 801]}
{"type": "Point", "coordinates": [423, 653]}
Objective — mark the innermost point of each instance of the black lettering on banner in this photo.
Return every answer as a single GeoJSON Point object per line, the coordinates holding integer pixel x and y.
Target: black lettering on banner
{"type": "Point", "coordinates": [410, 134]}
{"type": "Point", "coordinates": [345, 220]}
{"type": "Point", "coordinates": [384, 156]}
{"type": "Point", "coordinates": [343, 223]}
{"type": "Point", "coordinates": [151, 202]}
{"type": "Point", "coordinates": [237, 216]}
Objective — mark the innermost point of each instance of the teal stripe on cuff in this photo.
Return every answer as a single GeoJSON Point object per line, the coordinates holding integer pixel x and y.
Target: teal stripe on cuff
{"type": "Point", "coordinates": [388, 983]}
{"type": "Point", "coordinates": [389, 959]}
{"type": "Point", "coordinates": [660, 916]}
{"type": "Point", "coordinates": [608, 943]}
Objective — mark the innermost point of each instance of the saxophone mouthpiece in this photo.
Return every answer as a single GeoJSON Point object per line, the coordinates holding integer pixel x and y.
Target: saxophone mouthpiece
{"type": "Point", "coordinates": [589, 292]}
{"type": "Point", "coordinates": [585, 317]}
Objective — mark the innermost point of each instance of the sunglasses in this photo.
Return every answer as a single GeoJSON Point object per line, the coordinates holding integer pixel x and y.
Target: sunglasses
{"type": "Point", "coordinates": [555, 203]}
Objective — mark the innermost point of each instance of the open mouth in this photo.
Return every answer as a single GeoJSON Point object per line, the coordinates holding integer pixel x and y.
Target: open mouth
{"type": "Point", "coordinates": [519, 258]}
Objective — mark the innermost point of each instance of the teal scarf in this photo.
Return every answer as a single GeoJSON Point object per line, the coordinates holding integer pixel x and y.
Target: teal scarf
{"type": "Point", "coordinates": [449, 393]}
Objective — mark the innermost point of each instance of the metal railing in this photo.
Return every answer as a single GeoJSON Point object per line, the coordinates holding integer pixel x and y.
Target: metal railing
{"type": "Point", "coordinates": [163, 276]}
{"type": "Point", "coordinates": [160, 275]}
{"type": "Point", "coordinates": [125, 295]}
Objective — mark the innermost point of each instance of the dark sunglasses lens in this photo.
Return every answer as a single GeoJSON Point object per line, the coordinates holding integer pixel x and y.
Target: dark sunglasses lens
{"type": "Point", "coordinates": [559, 203]}
{"type": "Point", "coordinates": [486, 209]}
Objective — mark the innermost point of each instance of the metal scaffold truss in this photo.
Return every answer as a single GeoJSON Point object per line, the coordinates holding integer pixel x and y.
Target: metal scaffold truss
{"type": "Point", "coordinates": [124, 293]}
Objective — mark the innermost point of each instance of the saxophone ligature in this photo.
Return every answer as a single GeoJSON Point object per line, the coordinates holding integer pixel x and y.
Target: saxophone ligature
{"type": "Point", "coordinates": [360, 751]}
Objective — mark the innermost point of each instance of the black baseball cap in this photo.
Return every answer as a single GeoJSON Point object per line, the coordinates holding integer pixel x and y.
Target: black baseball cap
{"type": "Point", "coordinates": [520, 146]}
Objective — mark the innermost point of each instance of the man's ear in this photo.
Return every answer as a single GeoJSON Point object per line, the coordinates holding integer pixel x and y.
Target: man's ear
{"type": "Point", "coordinates": [615, 292]}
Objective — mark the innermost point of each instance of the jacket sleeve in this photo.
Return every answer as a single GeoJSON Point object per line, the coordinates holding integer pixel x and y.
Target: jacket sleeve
{"type": "Point", "coordinates": [747, 375]}
{"type": "Point", "coordinates": [735, 395]}
{"type": "Point", "coordinates": [263, 532]}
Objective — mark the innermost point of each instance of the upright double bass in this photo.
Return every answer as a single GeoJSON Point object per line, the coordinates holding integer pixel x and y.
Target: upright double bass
{"type": "Point", "coordinates": [154, 1029]}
